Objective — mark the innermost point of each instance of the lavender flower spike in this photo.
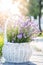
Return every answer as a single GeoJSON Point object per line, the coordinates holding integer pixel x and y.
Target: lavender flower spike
{"type": "Point", "coordinates": [19, 36]}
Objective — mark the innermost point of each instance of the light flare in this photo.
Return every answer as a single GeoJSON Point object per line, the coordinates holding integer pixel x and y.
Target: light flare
{"type": "Point", "coordinates": [7, 5]}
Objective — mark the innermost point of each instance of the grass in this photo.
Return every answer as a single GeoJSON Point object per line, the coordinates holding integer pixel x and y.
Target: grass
{"type": "Point", "coordinates": [1, 43]}
{"type": "Point", "coordinates": [41, 35]}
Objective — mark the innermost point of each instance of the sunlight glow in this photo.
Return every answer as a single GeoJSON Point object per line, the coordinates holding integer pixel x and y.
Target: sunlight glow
{"type": "Point", "coordinates": [6, 5]}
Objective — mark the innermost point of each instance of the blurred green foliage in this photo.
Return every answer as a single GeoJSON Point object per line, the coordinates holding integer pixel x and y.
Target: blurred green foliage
{"type": "Point", "coordinates": [1, 43]}
{"type": "Point", "coordinates": [33, 8]}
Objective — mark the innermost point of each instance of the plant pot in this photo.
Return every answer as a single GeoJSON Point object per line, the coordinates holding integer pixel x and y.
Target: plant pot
{"type": "Point", "coordinates": [17, 52]}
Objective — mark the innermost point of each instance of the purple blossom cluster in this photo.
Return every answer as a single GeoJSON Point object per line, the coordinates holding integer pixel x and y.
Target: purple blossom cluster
{"type": "Point", "coordinates": [24, 29]}
{"type": "Point", "coordinates": [28, 25]}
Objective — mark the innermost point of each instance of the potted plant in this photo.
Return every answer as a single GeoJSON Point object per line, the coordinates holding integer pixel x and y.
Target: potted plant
{"type": "Point", "coordinates": [17, 41]}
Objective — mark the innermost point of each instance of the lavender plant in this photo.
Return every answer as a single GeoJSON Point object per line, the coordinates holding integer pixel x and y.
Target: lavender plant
{"type": "Point", "coordinates": [22, 31]}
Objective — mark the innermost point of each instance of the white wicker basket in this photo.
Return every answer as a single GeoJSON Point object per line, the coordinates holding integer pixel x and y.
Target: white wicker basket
{"type": "Point", "coordinates": [15, 52]}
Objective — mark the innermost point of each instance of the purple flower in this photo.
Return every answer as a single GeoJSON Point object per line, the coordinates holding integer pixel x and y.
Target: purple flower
{"type": "Point", "coordinates": [19, 36]}
{"type": "Point", "coordinates": [25, 23]}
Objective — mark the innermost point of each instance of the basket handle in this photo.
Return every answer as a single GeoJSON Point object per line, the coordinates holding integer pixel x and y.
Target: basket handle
{"type": "Point", "coordinates": [5, 31]}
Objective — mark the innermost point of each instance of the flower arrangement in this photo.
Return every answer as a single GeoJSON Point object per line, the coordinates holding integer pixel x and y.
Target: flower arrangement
{"type": "Point", "coordinates": [21, 31]}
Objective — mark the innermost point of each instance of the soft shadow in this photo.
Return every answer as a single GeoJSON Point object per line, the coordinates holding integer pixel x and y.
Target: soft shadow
{"type": "Point", "coordinates": [27, 63]}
